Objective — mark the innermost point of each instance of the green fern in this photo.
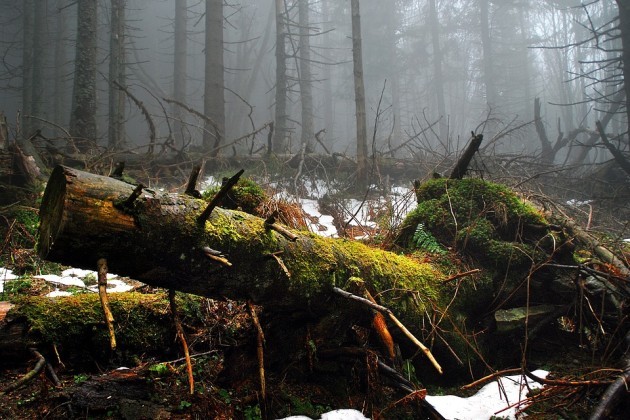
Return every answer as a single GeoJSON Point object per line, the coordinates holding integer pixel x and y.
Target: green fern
{"type": "Point", "coordinates": [424, 240]}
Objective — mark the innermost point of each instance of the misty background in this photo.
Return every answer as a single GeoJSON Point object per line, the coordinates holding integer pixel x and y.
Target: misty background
{"type": "Point", "coordinates": [433, 72]}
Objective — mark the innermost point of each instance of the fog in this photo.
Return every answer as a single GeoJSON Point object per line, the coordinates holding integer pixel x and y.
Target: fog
{"type": "Point", "coordinates": [433, 70]}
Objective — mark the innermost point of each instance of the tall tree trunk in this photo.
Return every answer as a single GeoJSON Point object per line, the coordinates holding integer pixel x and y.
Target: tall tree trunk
{"type": "Point", "coordinates": [116, 127]}
{"type": "Point", "coordinates": [27, 66]}
{"type": "Point", "coordinates": [306, 89]}
{"type": "Point", "coordinates": [60, 73]}
{"type": "Point", "coordinates": [179, 68]}
{"type": "Point", "coordinates": [488, 64]}
{"type": "Point", "coordinates": [281, 118]}
{"type": "Point", "coordinates": [214, 93]}
{"type": "Point", "coordinates": [624, 27]}
{"type": "Point", "coordinates": [359, 97]}
{"type": "Point", "coordinates": [83, 114]}
{"type": "Point", "coordinates": [438, 80]}
{"type": "Point", "coordinates": [327, 90]}
{"type": "Point", "coordinates": [39, 27]}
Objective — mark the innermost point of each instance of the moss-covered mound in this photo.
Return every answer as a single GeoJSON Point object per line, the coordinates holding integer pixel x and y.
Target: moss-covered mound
{"type": "Point", "coordinates": [485, 220]}
{"type": "Point", "coordinates": [246, 195]}
{"type": "Point", "coordinates": [75, 324]}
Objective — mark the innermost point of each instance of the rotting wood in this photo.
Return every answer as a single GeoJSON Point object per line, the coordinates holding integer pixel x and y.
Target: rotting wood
{"type": "Point", "coordinates": [167, 245]}
{"type": "Point", "coordinates": [216, 200]}
{"type": "Point", "coordinates": [461, 167]}
{"type": "Point", "coordinates": [102, 293]}
{"type": "Point", "coordinates": [191, 187]}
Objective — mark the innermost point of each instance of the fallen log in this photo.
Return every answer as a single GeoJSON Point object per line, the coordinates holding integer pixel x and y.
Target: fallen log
{"type": "Point", "coordinates": [157, 239]}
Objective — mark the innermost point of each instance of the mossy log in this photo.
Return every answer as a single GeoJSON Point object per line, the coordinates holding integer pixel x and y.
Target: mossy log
{"type": "Point", "coordinates": [157, 239]}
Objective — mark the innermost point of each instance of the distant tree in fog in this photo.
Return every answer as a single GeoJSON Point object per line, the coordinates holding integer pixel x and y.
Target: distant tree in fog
{"type": "Point", "coordinates": [117, 77]}
{"type": "Point", "coordinates": [83, 113]}
{"type": "Point", "coordinates": [214, 88]}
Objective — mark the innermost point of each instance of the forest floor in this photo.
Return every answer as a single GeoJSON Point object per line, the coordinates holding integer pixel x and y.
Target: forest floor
{"type": "Point", "coordinates": [224, 366]}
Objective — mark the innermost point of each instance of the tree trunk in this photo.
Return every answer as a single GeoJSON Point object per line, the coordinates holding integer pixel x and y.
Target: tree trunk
{"type": "Point", "coordinates": [306, 89]}
{"type": "Point", "coordinates": [116, 128]}
{"type": "Point", "coordinates": [280, 133]}
{"type": "Point", "coordinates": [27, 67]}
{"type": "Point", "coordinates": [488, 69]}
{"type": "Point", "coordinates": [359, 97]}
{"type": "Point", "coordinates": [83, 116]}
{"type": "Point", "coordinates": [158, 240]}
{"type": "Point", "coordinates": [624, 21]}
{"type": "Point", "coordinates": [179, 69]}
{"type": "Point", "coordinates": [61, 70]}
{"type": "Point", "coordinates": [214, 95]}
{"type": "Point", "coordinates": [438, 80]}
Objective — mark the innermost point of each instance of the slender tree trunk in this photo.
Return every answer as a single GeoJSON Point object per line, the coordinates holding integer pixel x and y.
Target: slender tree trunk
{"type": "Point", "coordinates": [116, 128]}
{"type": "Point", "coordinates": [179, 68]}
{"type": "Point", "coordinates": [280, 132]}
{"type": "Point", "coordinates": [328, 104]}
{"type": "Point", "coordinates": [214, 93]}
{"type": "Point", "coordinates": [438, 80]}
{"type": "Point", "coordinates": [27, 66]}
{"type": "Point", "coordinates": [306, 88]}
{"type": "Point", "coordinates": [488, 65]}
{"type": "Point", "coordinates": [624, 27]}
{"type": "Point", "coordinates": [359, 97]}
{"type": "Point", "coordinates": [83, 114]}
{"type": "Point", "coordinates": [59, 90]}
{"type": "Point", "coordinates": [39, 27]}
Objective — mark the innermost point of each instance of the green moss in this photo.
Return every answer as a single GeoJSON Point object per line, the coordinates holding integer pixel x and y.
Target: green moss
{"type": "Point", "coordinates": [484, 219]}
{"type": "Point", "coordinates": [246, 195]}
{"type": "Point", "coordinates": [142, 321]}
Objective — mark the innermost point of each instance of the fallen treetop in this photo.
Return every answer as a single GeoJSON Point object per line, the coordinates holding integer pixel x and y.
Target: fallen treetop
{"type": "Point", "coordinates": [156, 238]}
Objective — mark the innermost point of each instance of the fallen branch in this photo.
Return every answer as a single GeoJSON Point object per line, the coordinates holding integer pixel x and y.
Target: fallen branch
{"type": "Point", "coordinates": [102, 293]}
{"type": "Point", "coordinates": [41, 363]}
{"type": "Point", "coordinates": [404, 329]}
{"type": "Point", "coordinates": [260, 344]}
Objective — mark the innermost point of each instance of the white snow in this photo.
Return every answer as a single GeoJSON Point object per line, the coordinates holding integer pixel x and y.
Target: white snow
{"type": "Point", "coordinates": [6, 274]}
{"type": "Point", "coordinates": [57, 293]}
{"type": "Point", "coordinates": [341, 414]}
{"type": "Point", "coordinates": [491, 400]}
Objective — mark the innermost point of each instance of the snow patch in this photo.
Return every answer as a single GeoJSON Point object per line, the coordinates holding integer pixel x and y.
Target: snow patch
{"type": "Point", "coordinates": [342, 414]}
{"type": "Point", "coordinates": [491, 400]}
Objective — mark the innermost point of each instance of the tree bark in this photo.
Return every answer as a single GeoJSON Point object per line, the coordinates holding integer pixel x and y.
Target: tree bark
{"type": "Point", "coordinates": [306, 88]}
{"type": "Point", "coordinates": [83, 116]}
{"type": "Point", "coordinates": [116, 128]}
{"type": "Point", "coordinates": [281, 118]}
{"type": "Point", "coordinates": [214, 95]}
{"type": "Point", "coordinates": [158, 240]}
{"type": "Point", "coordinates": [438, 75]}
{"type": "Point", "coordinates": [179, 69]}
{"type": "Point", "coordinates": [359, 96]}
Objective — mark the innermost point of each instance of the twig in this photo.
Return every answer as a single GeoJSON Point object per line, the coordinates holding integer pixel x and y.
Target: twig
{"type": "Point", "coordinates": [275, 256]}
{"type": "Point", "coordinates": [260, 343]}
{"type": "Point", "coordinates": [491, 377]}
{"type": "Point", "coordinates": [562, 382]}
{"type": "Point", "coordinates": [225, 188]}
{"type": "Point", "coordinates": [270, 223]}
{"type": "Point", "coordinates": [460, 275]}
{"type": "Point", "coordinates": [404, 329]}
{"type": "Point", "coordinates": [102, 294]}
{"type": "Point", "coordinates": [182, 339]}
